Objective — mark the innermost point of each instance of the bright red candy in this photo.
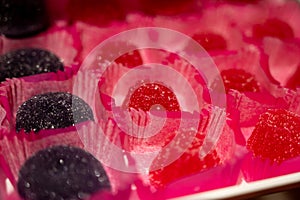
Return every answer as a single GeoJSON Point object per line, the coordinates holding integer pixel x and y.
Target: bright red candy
{"type": "Point", "coordinates": [273, 28]}
{"type": "Point", "coordinates": [150, 94]}
{"type": "Point", "coordinates": [239, 79]}
{"type": "Point", "coordinates": [94, 12]}
{"type": "Point", "coordinates": [187, 164]}
{"type": "Point", "coordinates": [182, 158]}
{"type": "Point", "coordinates": [131, 59]}
{"type": "Point", "coordinates": [243, 1]}
{"type": "Point", "coordinates": [210, 41]}
{"type": "Point", "coordinates": [276, 136]}
{"type": "Point", "coordinates": [167, 7]}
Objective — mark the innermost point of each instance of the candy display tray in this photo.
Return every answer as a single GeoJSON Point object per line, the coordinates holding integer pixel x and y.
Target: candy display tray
{"type": "Point", "coordinates": [244, 190]}
{"type": "Point", "coordinates": [247, 190]}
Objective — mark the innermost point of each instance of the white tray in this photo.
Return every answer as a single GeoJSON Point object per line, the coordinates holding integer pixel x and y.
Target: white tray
{"type": "Point", "coordinates": [247, 190]}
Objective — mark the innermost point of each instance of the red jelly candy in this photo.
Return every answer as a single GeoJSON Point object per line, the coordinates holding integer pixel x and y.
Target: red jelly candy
{"type": "Point", "coordinates": [95, 12]}
{"type": "Point", "coordinates": [243, 1]}
{"type": "Point", "coordinates": [240, 80]}
{"type": "Point", "coordinates": [273, 28]}
{"type": "Point", "coordinates": [210, 41]}
{"type": "Point", "coordinates": [188, 163]}
{"type": "Point", "coordinates": [151, 94]}
{"type": "Point", "coordinates": [276, 136]}
{"type": "Point", "coordinates": [131, 59]}
{"type": "Point", "coordinates": [166, 7]}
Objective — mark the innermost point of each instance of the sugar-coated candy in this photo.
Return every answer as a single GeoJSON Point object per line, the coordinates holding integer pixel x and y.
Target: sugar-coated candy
{"type": "Point", "coordinates": [239, 79]}
{"type": "Point", "coordinates": [51, 111]}
{"type": "Point", "coordinates": [151, 94]}
{"type": "Point", "coordinates": [276, 136]}
{"type": "Point", "coordinates": [28, 61]}
{"type": "Point", "coordinates": [22, 18]}
{"type": "Point", "coordinates": [61, 172]}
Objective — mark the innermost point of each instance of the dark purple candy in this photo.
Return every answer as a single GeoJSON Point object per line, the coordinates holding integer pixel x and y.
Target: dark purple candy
{"type": "Point", "coordinates": [51, 111]}
{"type": "Point", "coordinates": [22, 18]}
{"type": "Point", "coordinates": [29, 61]}
{"type": "Point", "coordinates": [61, 172]}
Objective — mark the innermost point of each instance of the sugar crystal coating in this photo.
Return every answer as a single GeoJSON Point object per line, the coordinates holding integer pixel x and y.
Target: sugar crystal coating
{"type": "Point", "coordinates": [151, 94]}
{"type": "Point", "coordinates": [240, 80]}
{"type": "Point", "coordinates": [52, 110]}
{"type": "Point", "coordinates": [61, 172]}
{"type": "Point", "coordinates": [276, 136]}
{"type": "Point", "coordinates": [28, 61]}
{"type": "Point", "coordinates": [22, 18]}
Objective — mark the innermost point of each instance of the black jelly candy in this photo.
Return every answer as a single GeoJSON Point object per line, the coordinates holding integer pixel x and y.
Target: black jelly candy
{"type": "Point", "coordinates": [28, 61]}
{"type": "Point", "coordinates": [51, 111]}
{"type": "Point", "coordinates": [61, 172]}
{"type": "Point", "coordinates": [22, 18]}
